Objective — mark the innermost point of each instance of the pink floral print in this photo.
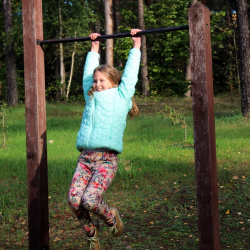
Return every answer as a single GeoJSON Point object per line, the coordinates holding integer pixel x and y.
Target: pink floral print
{"type": "Point", "coordinates": [94, 173]}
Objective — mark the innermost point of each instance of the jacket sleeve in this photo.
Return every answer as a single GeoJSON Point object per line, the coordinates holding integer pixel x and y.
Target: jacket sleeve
{"type": "Point", "coordinates": [92, 62]}
{"type": "Point", "coordinates": [130, 74]}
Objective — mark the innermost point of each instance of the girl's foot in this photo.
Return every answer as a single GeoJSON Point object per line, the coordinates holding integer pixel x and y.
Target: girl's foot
{"type": "Point", "coordinates": [117, 228]}
{"type": "Point", "coordinates": [93, 241]}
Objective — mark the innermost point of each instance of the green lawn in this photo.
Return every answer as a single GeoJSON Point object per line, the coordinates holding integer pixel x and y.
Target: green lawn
{"type": "Point", "coordinates": [155, 185]}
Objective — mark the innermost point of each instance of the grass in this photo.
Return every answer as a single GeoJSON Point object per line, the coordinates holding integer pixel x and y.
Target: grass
{"type": "Point", "coordinates": [155, 184]}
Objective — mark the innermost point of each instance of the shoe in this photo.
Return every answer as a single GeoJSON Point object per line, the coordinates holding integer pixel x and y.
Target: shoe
{"type": "Point", "coordinates": [93, 241]}
{"type": "Point", "coordinates": [117, 228]}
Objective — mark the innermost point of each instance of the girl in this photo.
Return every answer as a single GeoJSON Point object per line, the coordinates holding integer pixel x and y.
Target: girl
{"type": "Point", "coordinates": [108, 100]}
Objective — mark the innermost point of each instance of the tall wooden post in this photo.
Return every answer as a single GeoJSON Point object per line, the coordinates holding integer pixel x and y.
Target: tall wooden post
{"type": "Point", "coordinates": [204, 127]}
{"type": "Point", "coordinates": [35, 125]}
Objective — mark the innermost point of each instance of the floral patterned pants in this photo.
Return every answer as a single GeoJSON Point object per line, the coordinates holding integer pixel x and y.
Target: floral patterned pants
{"type": "Point", "coordinates": [94, 173]}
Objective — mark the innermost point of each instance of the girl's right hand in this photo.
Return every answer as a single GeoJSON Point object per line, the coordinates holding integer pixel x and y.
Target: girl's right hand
{"type": "Point", "coordinates": [94, 43]}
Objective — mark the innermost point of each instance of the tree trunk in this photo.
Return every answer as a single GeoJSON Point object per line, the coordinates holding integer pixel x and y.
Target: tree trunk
{"type": "Point", "coordinates": [237, 64]}
{"type": "Point", "coordinates": [71, 74]}
{"type": "Point", "coordinates": [144, 60]}
{"type": "Point", "coordinates": [244, 55]}
{"type": "Point", "coordinates": [109, 30]}
{"type": "Point", "coordinates": [71, 71]}
{"type": "Point", "coordinates": [188, 69]}
{"type": "Point", "coordinates": [0, 83]}
{"type": "Point", "coordinates": [62, 68]}
{"type": "Point", "coordinates": [11, 75]}
{"type": "Point", "coordinates": [117, 23]}
{"type": "Point", "coordinates": [188, 78]}
{"type": "Point", "coordinates": [229, 71]}
{"type": "Point", "coordinates": [117, 16]}
{"type": "Point", "coordinates": [57, 74]}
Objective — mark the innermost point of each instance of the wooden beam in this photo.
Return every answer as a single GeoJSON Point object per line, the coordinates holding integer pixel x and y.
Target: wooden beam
{"type": "Point", "coordinates": [36, 142]}
{"type": "Point", "coordinates": [204, 127]}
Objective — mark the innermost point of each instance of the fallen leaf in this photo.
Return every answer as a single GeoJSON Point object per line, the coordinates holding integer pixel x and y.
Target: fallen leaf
{"type": "Point", "coordinates": [128, 168]}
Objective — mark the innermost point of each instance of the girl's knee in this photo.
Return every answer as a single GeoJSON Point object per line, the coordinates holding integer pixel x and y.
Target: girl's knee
{"type": "Point", "coordinates": [88, 201]}
{"type": "Point", "coordinates": [73, 201]}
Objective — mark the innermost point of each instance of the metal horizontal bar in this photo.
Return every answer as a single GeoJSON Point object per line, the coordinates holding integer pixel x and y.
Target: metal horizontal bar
{"type": "Point", "coordinates": [119, 35]}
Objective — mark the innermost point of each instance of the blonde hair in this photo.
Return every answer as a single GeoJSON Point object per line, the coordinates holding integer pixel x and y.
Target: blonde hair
{"type": "Point", "coordinates": [113, 75]}
{"type": "Point", "coordinates": [134, 111]}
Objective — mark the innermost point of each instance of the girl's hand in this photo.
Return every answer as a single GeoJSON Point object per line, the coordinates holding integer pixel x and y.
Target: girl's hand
{"type": "Point", "coordinates": [94, 43]}
{"type": "Point", "coordinates": [136, 39]}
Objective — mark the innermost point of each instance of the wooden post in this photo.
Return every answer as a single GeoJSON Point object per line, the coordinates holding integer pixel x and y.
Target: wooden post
{"type": "Point", "coordinates": [35, 125]}
{"type": "Point", "coordinates": [204, 127]}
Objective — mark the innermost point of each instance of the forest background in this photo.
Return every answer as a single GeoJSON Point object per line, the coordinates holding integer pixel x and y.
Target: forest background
{"type": "Point", "coordinates": [167, 53]}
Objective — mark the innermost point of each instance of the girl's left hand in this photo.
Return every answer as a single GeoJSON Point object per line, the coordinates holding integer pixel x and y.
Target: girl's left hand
{"type": "Point", "coordinates": [136, 39]}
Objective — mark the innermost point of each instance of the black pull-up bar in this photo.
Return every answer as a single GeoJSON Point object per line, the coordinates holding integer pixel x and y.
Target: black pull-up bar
{"type": "Point", "coordinates": [127, 34]}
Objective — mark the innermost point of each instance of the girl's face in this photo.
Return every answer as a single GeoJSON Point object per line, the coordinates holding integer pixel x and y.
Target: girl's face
{"type": "Point", "coordinates": [101, 82]}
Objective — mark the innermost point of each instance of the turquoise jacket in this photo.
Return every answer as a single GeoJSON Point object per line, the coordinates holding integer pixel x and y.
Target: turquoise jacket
{"type": "Point", "coordinates": [105, 114]}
